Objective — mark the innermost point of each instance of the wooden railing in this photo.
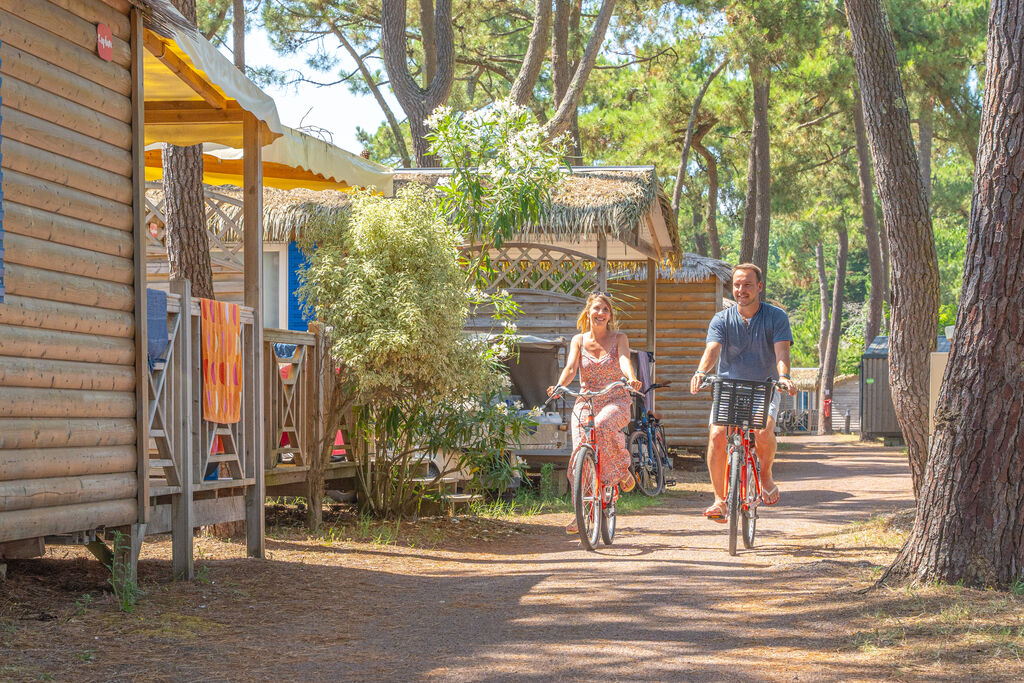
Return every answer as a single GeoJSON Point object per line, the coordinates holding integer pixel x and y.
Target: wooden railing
{"type": "Point", "coordinates": [291, 398]}
{"type": "Point", "coordinates": [518, 266]}
{"type": "Point", "coordinates": [183, 443]}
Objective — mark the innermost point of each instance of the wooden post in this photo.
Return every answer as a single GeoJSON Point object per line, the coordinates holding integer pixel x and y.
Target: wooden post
{"type": "Point", "coordinates": [652, 316]}
{"type": "Point", "coordinates": [252, 210]}
{"type": "Point", "coordinates": [182, 513]}
{"type": "Point", "coordinates": [139, 254]}
{"type": "Point", "coordinates": [602, 261]}
{"type": "Point", "coordinates": [126, 554]}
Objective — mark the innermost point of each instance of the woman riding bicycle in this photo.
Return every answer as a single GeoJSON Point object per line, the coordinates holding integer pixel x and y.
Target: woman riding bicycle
{"type": "Point", "coordinates": [601, 355]}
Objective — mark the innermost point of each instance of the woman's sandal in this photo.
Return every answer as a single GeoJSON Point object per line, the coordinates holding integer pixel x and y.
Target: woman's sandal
{"type": "Point", "coordinates": [571, 528]}
{"type": "Point", "coordinates": [717, 512]}
{"type": "Point", "coordinates": [627, 484]}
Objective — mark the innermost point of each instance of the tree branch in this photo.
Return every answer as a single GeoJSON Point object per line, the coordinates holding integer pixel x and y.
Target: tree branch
{"type": "Point", "coordinates": [534, 60]}
{"type": "Point", "coordinates": [681, 171]}
{"type": "Point", "coordinates": [563, 117]}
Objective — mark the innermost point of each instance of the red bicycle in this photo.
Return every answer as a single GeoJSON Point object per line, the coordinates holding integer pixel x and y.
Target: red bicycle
{"type": "Point", "coordinates": [742, 406]}
{"type": "Point", "coordinates": [594, 504]}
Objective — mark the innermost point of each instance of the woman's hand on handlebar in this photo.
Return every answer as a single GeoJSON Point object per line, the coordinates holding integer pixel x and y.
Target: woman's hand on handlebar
{"type": "Point", "coordinates": [634, 384]}
{"type": "Point", "coordinates": [552, 390]}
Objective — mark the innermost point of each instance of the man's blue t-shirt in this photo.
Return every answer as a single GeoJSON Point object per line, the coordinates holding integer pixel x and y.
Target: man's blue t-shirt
{"type": "Point", "coordinates": [748, 348]}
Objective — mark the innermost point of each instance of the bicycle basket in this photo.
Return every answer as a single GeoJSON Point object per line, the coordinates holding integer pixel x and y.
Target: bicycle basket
{"type": "Point", "coordinates": [742, 403]}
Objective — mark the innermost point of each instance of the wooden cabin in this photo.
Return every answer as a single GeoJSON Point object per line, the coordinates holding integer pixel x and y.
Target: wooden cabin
{"type": "Point", "coordinates": [85, 85]}
{"type": "Point", "coordinates": [845, 397]}
{"type": "Point", "coordinates": [878, 414]}
{"type": "Point", "coordinates": [686, 295]}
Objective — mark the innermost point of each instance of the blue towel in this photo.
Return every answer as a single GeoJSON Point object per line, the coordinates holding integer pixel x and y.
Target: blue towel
{"type": "Point", "coordinates": [156, 324]}
{"type": "Point", "coordinates": [284, 350]}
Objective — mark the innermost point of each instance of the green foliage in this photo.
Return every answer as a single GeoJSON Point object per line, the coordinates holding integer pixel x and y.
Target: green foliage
{"type": "Point", "coordinates": [126, 590]}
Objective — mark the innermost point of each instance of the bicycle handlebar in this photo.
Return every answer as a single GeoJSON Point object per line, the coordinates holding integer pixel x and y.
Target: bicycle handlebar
{"type": "Point", "coordinates": [710, 379]}
{"type": "Point", "coordinates": [562, 390]}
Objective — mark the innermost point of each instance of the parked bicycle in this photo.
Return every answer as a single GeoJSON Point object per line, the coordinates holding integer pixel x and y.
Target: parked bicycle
{"type": "Point", "coordinates": [646, 445]}
{"type": "Point", "coordinates": [593, 502]}
{"type": "Point", "coordinates": [790, 421]}
{"type": "Point", "coordinates": [743, 407]}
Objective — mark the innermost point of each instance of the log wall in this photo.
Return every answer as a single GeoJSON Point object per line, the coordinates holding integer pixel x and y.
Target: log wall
{"type": "Point", "coordinates": [684, 310]}
{"type": "Point", "coordinates": [68, 455]}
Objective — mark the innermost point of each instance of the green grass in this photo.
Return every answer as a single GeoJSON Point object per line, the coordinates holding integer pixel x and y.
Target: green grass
{"type": "Point", "coordinates": [528, 502]}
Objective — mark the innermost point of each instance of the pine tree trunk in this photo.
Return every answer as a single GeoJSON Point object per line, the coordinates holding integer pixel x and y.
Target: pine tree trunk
{"type": "Point", "coordinates": [970, 515]}
{"type": "Point", "coordinates": [700, 238]}
{"type": "Point", "coordinates": [188, 247]}
{"type": "Point", "coordinates": [418, 103]}
{"type": "Point", "coordinates": [762, 215]}
{"type": "Point", "coordinates": [749, 204]}
{"type": "Point", "coordinates": [915, 282]}
{"type": "Point", "coordinates": [828, 366]}
{"type": "Point", "coordinates": [925, 133]}
{"type": "Point", "coordinates": [819, 255]}
{"type": "Point", "coordinates": [712, 216]}
{"type": "Point", "coordinates": [870, 222]}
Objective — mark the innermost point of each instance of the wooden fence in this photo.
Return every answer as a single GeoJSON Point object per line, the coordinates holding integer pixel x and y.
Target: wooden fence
{"type": "Point", "coordinates": [201, 472]}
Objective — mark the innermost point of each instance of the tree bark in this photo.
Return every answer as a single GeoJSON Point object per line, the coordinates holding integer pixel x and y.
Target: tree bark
{"type": "Point", "coordinates": [238, 35]}
{"type": "Point", "coordinates": [749, 205]}
{"type": "Point", "coordinates": [188, 247]}
{"type": "Point", "coordinates": [429, 41]}
{"type": "Point", "coordinates": [915, 271]}
{"type": "Point", "coordinates": [700, 238]}
{"type": "Point", "coordinates": [925, 133]}
{"type": "Point", "coordinates": [828, 366]}
{"type": "Point", "coordinates": [870, 223]}
{"type": "Point", "coordinates": [762, 216]}
{"type": "Point", "coordinates": [563, 117]}
{"type": "Point", "coordinates": [970, 515]}
{"type": "Point", "coordinates": [819, 255]}
{"type": "Point", "coordinates": [418, 103]}
{"type": "Point", "coordinates": [396, 128]}
{"type": "Point", "coordinates": [522, 88]}
{"type": "Point", "coordinates": [712, 218]}
{"type": "Point", "coordinates": [677, 191]}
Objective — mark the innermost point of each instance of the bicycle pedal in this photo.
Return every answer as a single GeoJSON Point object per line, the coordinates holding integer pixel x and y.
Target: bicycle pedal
{"type": "Point", "coordinates": [670, 482]}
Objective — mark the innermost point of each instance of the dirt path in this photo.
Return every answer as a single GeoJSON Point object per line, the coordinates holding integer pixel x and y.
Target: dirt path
{"type": "Point", "coordinates": [666, 602]}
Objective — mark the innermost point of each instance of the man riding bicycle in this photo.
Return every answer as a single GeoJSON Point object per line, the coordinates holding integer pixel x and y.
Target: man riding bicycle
{"type": "Point", "coordinates": [749, 341]}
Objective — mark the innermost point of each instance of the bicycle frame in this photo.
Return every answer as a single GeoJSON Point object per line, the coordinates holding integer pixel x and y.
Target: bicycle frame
{"type": "Point", "coordinates": [741, 438]}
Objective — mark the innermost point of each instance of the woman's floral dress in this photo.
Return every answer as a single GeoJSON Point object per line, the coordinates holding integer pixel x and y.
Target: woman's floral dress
{"type": "Point", "coordinates": [613, 413]}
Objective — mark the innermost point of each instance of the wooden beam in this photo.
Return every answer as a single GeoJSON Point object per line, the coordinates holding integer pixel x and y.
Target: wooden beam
{"type": "Point", "coordinates": [182, 503]}
{"type": "Point", "coordinates": [602, 261]}
{"type": "Point", "coordinates": [652, 301]}
{"type": "Point", "coordinates": [172, 112]}
{"type": "Point", "coordinates": [252, 211]}
{"type": "Point", "coordinates": [139, 232]}
{"type": "Point", "coordinates": [182, 70]}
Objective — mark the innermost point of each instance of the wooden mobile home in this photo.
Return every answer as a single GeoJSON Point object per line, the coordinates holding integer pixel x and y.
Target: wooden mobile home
{"type": "Point", "coordinates": [84, 85]}
{"type": "Point", "coordinates": [685, 296]}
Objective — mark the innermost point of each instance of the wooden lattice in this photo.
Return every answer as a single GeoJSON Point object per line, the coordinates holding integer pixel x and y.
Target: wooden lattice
{"type": "Point", "coordinates": [222, 211]}
{"type": "Point", "coordinates": [541, 267]}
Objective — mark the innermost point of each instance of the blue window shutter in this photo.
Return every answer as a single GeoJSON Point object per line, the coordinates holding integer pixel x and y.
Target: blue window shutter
{"type": "Point", "coordinates": [296, 263]}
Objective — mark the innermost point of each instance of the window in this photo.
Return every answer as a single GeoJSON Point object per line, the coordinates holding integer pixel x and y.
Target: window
{"type": "Point", "coordinates": [275, 286]}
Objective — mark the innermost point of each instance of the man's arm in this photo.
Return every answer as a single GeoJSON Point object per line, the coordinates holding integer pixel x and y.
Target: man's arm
{"type": "Point", "coordinates": [711, 353]}
{"type": "Point", "coordinates": [782, 362]}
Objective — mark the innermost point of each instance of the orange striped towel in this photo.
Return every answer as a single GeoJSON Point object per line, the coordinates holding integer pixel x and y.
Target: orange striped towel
{"type": "Point", "coordinates": [222, 361]}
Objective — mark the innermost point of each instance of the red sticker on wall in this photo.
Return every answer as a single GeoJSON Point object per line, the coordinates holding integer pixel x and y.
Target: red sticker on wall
{"type": "Point", "coordinates": [104, 42]}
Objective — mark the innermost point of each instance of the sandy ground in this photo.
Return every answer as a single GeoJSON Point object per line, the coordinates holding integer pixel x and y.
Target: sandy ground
{"type": "Point", "coordinates": [513, 600]}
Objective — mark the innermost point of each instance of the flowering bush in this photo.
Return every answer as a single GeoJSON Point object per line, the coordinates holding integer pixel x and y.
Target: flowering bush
{"type": "Point", "coordinates": [393, 296]}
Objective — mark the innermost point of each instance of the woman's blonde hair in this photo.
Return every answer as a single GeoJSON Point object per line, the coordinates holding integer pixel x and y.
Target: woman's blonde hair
{"type": "Point", "coordinates": [583, 322]}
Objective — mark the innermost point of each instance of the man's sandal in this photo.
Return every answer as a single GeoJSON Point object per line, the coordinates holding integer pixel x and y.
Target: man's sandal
{"type": "Point", "coordinates": [717, 512]}
{"type": "Point", "coordinates": [770, 497]}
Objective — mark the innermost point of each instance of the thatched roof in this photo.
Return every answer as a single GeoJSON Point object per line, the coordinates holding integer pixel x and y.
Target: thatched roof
{"type": "Point", "coordinates": [806, 379]}
{"type": "Point", "coordinates": [162, 18]}
{"type": "Point", "coordinates": [285, 212]}
{"type": "Point", "coordinates": [589, 201]}
{"type": "Point", "coordinates": [686, 268]}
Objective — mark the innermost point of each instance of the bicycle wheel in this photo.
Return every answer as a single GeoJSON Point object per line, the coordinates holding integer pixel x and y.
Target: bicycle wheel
{"type": "Point", "coordinates": [586, 497]}
{"type": "Point", "coordinates": [750, 511]}
{"type": "Point", "coordinates": [608, 520]}
{"type": "Point", "coordinates": [732, 497]}
{"type": "Point", "coordinates": [661, 456]}
{"type": "Point", "coordinates": [647, 471]}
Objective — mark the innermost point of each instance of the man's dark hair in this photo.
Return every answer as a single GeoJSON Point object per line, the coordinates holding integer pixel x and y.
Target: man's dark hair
{"type": "Point", "coordinates": [748, 266]}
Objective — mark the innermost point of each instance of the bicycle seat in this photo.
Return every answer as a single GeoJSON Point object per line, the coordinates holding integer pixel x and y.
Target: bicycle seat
{"type": "Point", "coordinates": [653, 414]}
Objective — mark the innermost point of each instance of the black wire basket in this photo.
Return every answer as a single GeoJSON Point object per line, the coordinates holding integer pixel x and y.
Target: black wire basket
{"type": "Point", "coordinates": [742, 403]}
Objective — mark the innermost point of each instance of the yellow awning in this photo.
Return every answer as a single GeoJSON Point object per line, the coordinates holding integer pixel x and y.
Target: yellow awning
{"type": "Point", "coordinates": [194, 94]}
{"type": "Point", "coordinates": [294, 160]}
